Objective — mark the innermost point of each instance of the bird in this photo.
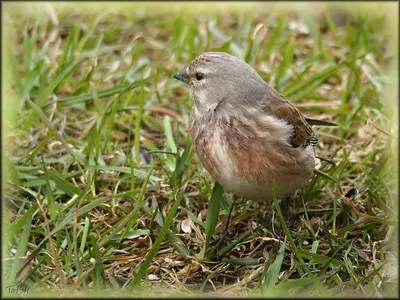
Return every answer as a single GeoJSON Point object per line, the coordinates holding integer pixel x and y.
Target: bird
{"type": "Point", "coordinates": [245, 133]}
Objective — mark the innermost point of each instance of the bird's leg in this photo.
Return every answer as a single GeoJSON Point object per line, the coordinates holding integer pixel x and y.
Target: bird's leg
{"type": "Point", "coordinates": [224, 231]}
{"type": "Point", "coordinates": [288, 209]}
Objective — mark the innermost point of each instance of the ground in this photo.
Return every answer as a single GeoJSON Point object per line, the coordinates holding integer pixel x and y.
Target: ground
{"type": "Point", "coordinates": [103, 192]}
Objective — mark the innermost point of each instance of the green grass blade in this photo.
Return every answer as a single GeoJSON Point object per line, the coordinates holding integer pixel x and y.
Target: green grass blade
{"type": "Point", "coordinates": [138, 173]}
{"type": "Point", "coordinates": [50, 89]}
{"type": "Point", "coordinates": [120, 89]}
{"type": "Point", "coordinates": [21, 249]}
{"type": "Point", "coordinates": [85, 234]}
{"type": "Point", "coordinates": [170, 138]}
{"type": "Point", "coordinates": [276, 34]}
{"type": "Point", "coordinates": [50, 197]}
{"type": "Point", "coordinates": [300, 89]}
{"type": "Point", "coordinates": [138, 118]}
{"type": "Point", "coordinates": [272, 273]}
{"type": "Point", "coordinates": [289, 48]}
{"type": "Point", "coordinates": [19, 223]}
{"type": "Point", "coordinates": [212, 215]}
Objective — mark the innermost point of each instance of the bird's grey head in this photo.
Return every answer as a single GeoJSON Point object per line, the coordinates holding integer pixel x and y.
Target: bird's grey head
{"type": "Point", "coordinates": [217, 79]}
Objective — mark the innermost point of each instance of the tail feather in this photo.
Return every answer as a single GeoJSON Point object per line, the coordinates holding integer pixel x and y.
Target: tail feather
{"type": "Point", "coordinates": [319, 122]}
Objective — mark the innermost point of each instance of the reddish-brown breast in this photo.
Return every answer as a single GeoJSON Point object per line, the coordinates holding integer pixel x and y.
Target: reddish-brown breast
{"type": "Point", "coordinates": [245, 156]}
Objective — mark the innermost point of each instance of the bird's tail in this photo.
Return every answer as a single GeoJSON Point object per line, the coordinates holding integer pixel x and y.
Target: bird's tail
{"type": "Point", "coordinates": [319, 122]}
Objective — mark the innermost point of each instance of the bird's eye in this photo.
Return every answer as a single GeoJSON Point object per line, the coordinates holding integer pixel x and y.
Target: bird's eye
{"type": "Point", "coordinates": [199, 76]}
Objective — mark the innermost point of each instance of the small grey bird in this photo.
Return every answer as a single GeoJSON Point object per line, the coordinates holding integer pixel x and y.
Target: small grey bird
{"type": "Point", "coordinates": [245, 133]}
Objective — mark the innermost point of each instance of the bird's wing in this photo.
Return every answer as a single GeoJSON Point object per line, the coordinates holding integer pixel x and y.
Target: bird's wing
{"type": "Point", "coordinates": [302, 131]}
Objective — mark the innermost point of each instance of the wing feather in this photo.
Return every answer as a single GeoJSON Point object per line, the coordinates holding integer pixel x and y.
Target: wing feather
{"type": "Point", "coordinates": [285, 110]}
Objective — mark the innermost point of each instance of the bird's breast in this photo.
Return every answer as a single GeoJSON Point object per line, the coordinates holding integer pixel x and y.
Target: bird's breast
{"type": "Point", "coordinates": [245, 159]}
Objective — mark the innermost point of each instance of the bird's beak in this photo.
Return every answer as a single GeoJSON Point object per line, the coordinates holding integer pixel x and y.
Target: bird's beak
{"type": "Point", "coordinates": [182, 76]}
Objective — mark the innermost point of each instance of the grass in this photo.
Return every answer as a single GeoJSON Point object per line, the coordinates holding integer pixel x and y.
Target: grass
{"type": "Point", "coordinates": [102, 190]}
